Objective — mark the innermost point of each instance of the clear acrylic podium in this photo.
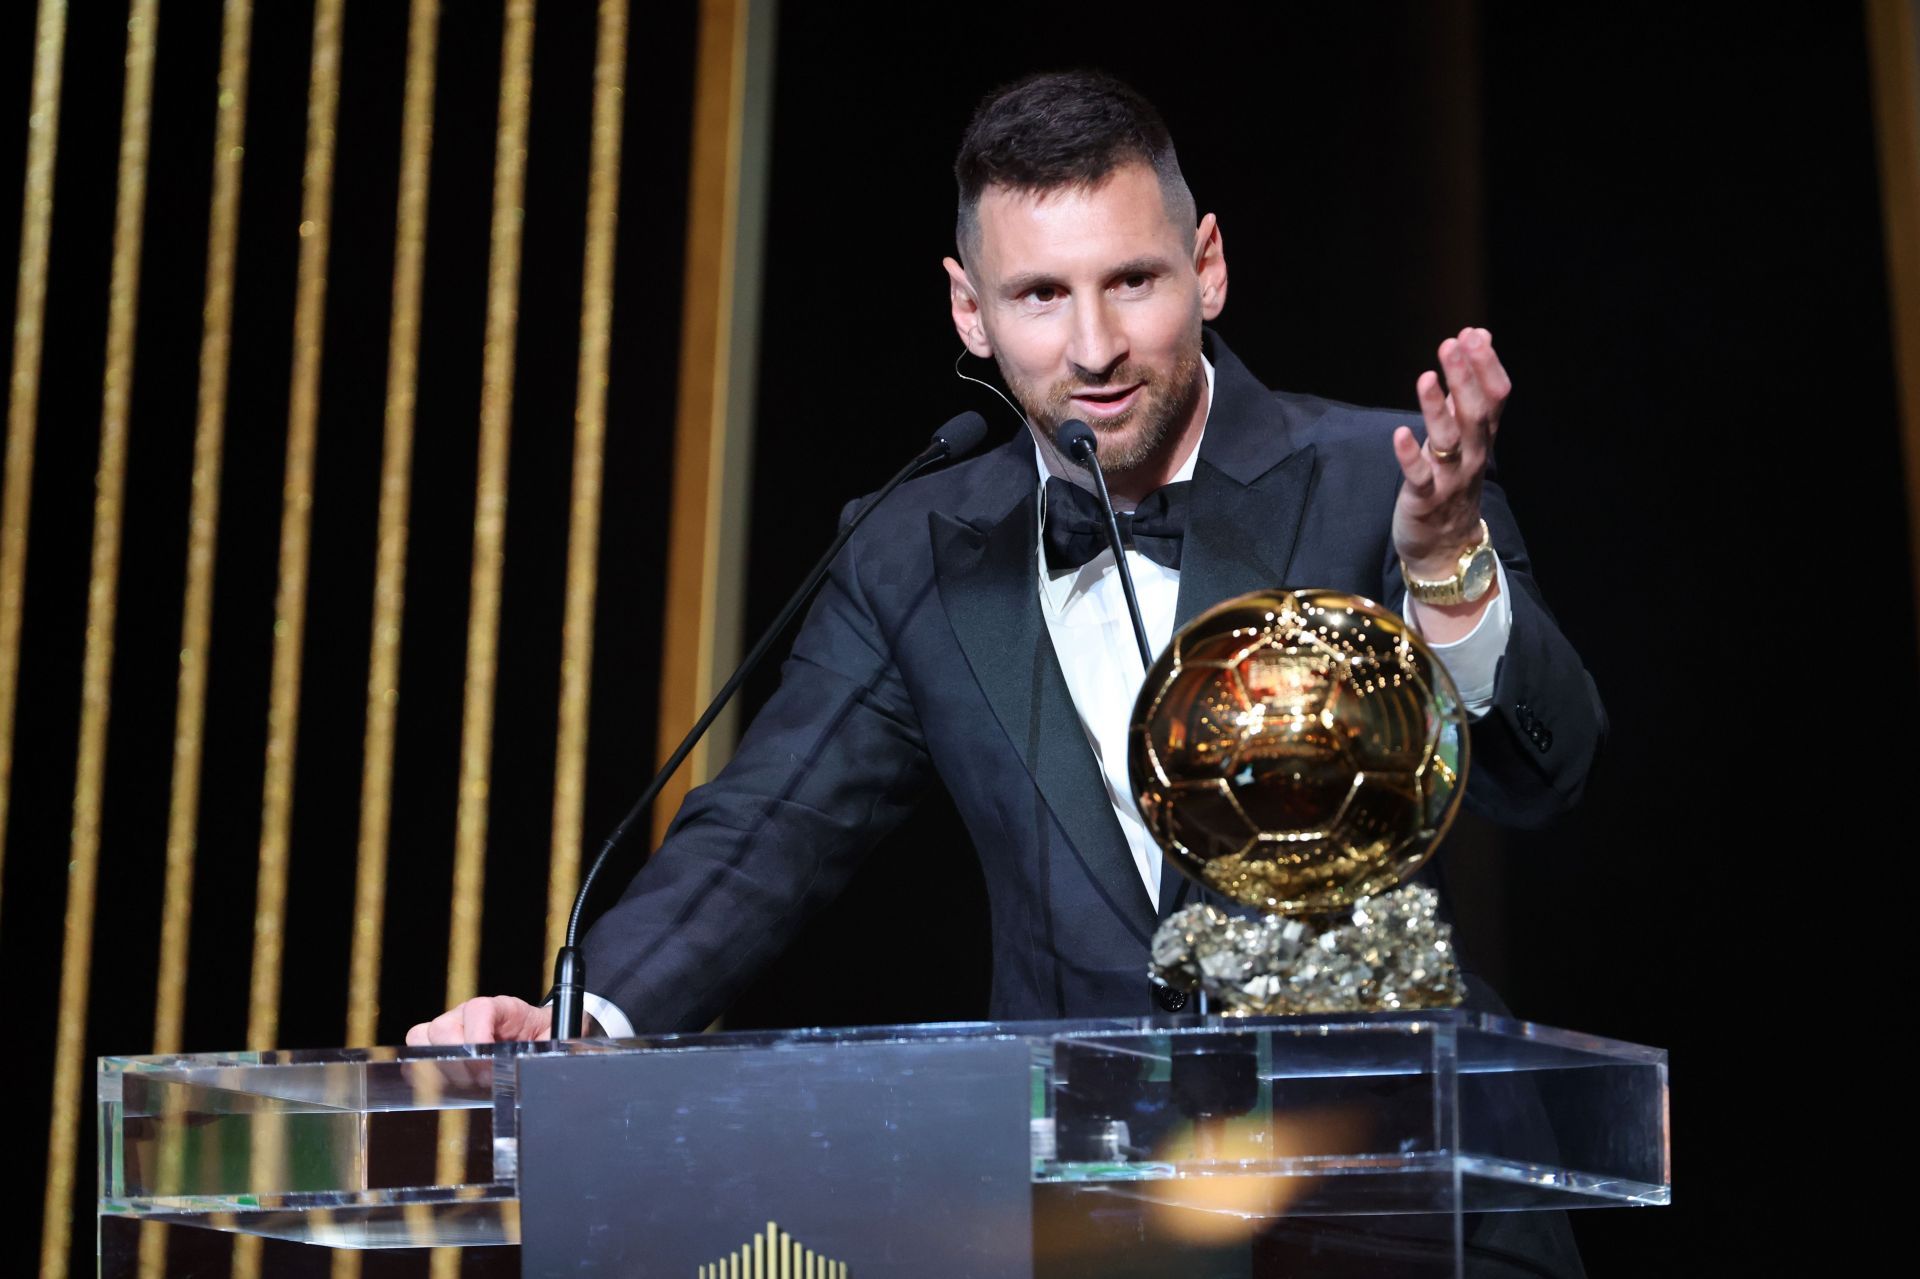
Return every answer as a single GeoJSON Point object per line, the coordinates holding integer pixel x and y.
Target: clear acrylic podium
{"type": "Point", "coordinates": [1109, 1147]}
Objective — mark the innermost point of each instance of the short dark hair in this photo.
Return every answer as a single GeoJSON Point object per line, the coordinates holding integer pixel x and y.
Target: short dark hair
{"type": "Point", "coordinates": [1062, 129]}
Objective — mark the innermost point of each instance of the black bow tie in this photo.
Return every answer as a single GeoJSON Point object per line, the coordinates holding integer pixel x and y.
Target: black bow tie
{"type": "Point", "coordinates": [1076, 531]}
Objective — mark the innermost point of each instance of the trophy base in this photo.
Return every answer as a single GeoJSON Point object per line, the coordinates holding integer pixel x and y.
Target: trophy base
{"type": "Point", "coordinates": [1381, 954]}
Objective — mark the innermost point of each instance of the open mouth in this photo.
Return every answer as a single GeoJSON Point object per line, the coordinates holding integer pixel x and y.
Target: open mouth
{"type": "Point", "coordinates": [1107, 402]}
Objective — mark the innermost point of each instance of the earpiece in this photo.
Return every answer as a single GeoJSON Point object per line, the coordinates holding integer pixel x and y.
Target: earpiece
{"type": "Point", "coordinates": [964, 353]}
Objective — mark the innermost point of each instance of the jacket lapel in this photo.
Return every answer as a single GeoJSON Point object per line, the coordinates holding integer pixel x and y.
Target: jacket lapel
{"type": "Point", "coordinates": [988, 584]}
{"type": "Point", "coordinates": [1250, 491]}
{"type": "Point", "coordinates": [1240, 537]}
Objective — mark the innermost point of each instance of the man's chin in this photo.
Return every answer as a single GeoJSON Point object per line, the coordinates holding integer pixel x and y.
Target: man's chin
{"type": "Point", "coordinates": [1123, 444]}
{"type": "Point", "coordinates": [1108, 433]}
{"type": "Point", "coordinates": [1123, 440]}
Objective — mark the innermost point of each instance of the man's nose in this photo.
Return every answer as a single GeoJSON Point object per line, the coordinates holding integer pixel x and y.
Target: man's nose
{"type": "Point", "coordinates": [1098, 344]}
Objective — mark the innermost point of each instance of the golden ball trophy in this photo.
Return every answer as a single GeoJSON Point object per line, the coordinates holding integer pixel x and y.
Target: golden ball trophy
{"type": "Point", "coordinates": [1302, 752]}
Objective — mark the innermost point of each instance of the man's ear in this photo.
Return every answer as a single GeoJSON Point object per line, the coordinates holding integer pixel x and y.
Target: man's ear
{"type": "Point", "coordinates": [1210, 264]}
{"type": "Point", "coordinates": [967, 321]}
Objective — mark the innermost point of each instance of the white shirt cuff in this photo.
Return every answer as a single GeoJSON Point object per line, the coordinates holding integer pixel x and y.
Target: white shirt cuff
{"type": "Point", "coordinates": [611, 1019]}
{"type": "Point", "coordinates": [1474, 659]}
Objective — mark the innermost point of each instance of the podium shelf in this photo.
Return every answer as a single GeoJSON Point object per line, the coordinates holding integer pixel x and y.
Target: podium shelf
{"type": "Point", "coordinates": [1445, 1112]}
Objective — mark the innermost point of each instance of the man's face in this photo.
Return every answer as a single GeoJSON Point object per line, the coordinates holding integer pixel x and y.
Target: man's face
{"type": "Point", "coordinates": [1091, 302]}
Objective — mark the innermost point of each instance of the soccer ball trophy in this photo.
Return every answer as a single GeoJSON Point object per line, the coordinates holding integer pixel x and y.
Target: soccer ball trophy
{"type": "Point", "coordinates": [1302, 752]}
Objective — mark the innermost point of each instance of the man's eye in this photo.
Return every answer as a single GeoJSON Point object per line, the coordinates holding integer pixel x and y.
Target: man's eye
{"type": "Point", "coordinates": [1044, 293]}
{"type": "Point", "coordinates": [1137, 282]}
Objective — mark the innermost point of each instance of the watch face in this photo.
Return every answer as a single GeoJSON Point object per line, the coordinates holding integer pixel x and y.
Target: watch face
{"type": "Point", "coordinates": [1479, 575]}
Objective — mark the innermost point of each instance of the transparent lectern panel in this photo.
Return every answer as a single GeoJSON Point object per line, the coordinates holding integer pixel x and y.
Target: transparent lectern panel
{"type": "Point", "coordinates": [350, 1148]}
{"type": "Point", "coordinates": [1551, 1118]}
{"type": "Point", "coordinates": [1411, 1113]}
{"type": "Point", "coordinates": [1117, 1129]}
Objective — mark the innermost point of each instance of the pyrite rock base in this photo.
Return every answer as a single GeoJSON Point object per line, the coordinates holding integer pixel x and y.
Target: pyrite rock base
{"type": "Point", "coordinates": [1382, 954]}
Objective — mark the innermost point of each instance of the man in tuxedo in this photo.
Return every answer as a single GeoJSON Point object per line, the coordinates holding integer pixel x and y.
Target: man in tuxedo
{"type": "Point", "coordinates": [972, 634]}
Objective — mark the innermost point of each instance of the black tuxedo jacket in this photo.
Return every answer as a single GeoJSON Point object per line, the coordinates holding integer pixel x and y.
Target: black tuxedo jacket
{"type": "Point", "coordinates": [927, 660]}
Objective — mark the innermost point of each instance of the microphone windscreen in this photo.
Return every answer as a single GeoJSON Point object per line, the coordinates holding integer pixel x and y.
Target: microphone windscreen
{"type": "Point", "coordinates": [1075, 438]}
{"type": "Point", "coordinates": [963, 434]}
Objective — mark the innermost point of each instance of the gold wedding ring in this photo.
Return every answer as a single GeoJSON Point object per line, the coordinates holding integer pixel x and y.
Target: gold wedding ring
{"type": "Point", "coordinates": [1444, 455]}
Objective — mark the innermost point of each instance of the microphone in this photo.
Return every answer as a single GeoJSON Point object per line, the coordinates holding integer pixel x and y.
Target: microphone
{"type": "Point", "coordinates": [1075, 439]}
{"type": "Point", "coordinates": [958, 437]}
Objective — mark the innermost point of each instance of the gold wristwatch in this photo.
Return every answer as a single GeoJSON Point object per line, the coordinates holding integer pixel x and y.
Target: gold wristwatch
{"type": "Point", "coordinates": [1473, 578]}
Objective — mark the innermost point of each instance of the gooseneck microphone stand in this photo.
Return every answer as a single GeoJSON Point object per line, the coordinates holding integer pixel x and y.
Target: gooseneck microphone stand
{"type": "Point", "coordinates": [1075, 439]}
{"type": "Point", "coordinates": [958, 437]}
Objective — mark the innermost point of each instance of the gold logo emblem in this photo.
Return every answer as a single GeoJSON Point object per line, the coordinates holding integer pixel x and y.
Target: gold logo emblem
{"type": "Point", "coordinates": [773, 1255]}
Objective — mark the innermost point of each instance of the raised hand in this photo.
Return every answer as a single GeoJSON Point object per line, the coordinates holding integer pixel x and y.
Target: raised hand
{"type": "Point", "coordinates": [1437, 514]}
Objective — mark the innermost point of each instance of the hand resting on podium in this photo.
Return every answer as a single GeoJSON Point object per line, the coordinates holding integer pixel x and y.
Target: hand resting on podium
{"type": "Point", "coordinates": [486, 1020]}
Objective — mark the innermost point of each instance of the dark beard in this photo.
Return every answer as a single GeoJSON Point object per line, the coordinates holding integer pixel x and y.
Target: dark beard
{"type": "Point", "coordinates": [1161, 413]}
{"type": "Point", "coordinates": [1164, 407]}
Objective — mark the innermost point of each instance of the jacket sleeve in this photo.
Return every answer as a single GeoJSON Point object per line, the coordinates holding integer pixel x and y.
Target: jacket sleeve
{"type": "Point", "coordinates": [1534, 748]}
{"type": "Point", "coordinates": [833, 762]}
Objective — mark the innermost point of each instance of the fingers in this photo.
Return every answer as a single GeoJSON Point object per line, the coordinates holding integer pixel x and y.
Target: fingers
{"type": "Point", "coordinates": [1443, 429]}
{"type": "Point", "coordinates": [1463, 380]}
{"type": "Point", "coordinates": [1478, 381]}
{"type": "Point", "coordinates": [482, 1020]}
{"type": "Point", "coordinates": [474, 1022]}
{"type": "Point", "coordinates": [1490, 372]}
{"type": "Point", "coordinates": [1414, 462]}
{"type": "Point", "coordinates": [538, 1025]}
{"type": "Point", "coordinates": [1463, 419]}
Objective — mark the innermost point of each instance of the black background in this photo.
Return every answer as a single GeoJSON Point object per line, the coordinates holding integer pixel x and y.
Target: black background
{"type": "Point", "coordinates": [1669, 220]}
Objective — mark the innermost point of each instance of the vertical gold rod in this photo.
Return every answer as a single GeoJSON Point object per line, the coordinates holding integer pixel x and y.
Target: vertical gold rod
{"type": "Point", "coordinates": [23, 398]}
{"type": "Point", "coordinates": [490, 505]}
{"type": "Point", "coordinates": [203, 522]}
{"type": "Point", "coordinates": [22, 413]}
{"type": "Point", "coordinates": [390, 568]}
{"type": "Point", "coordinates": [1893, 54]}
{"type": "Point", "coordinates": [290, 599]}
{"type": "Point", "coordinates": [489, 541]}
{"type": "Point", "coordinates": [296, 509]}
{"type": "Point", "coordinates": [589, 434]}
{"type": "Point", "coordinates": [718, 332]}
{"type": "Point", "coordinates": [83, 858]}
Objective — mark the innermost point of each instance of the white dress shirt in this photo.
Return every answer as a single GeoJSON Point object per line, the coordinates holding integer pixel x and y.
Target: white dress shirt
{"type": "Point", "coordinates": [1086, 613]}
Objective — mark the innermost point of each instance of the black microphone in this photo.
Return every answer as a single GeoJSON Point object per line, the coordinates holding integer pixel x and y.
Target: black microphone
{"type": "Point", "coordinates": [1075, 439]}
{"type": "Point", "coordinates": [958, 437]}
